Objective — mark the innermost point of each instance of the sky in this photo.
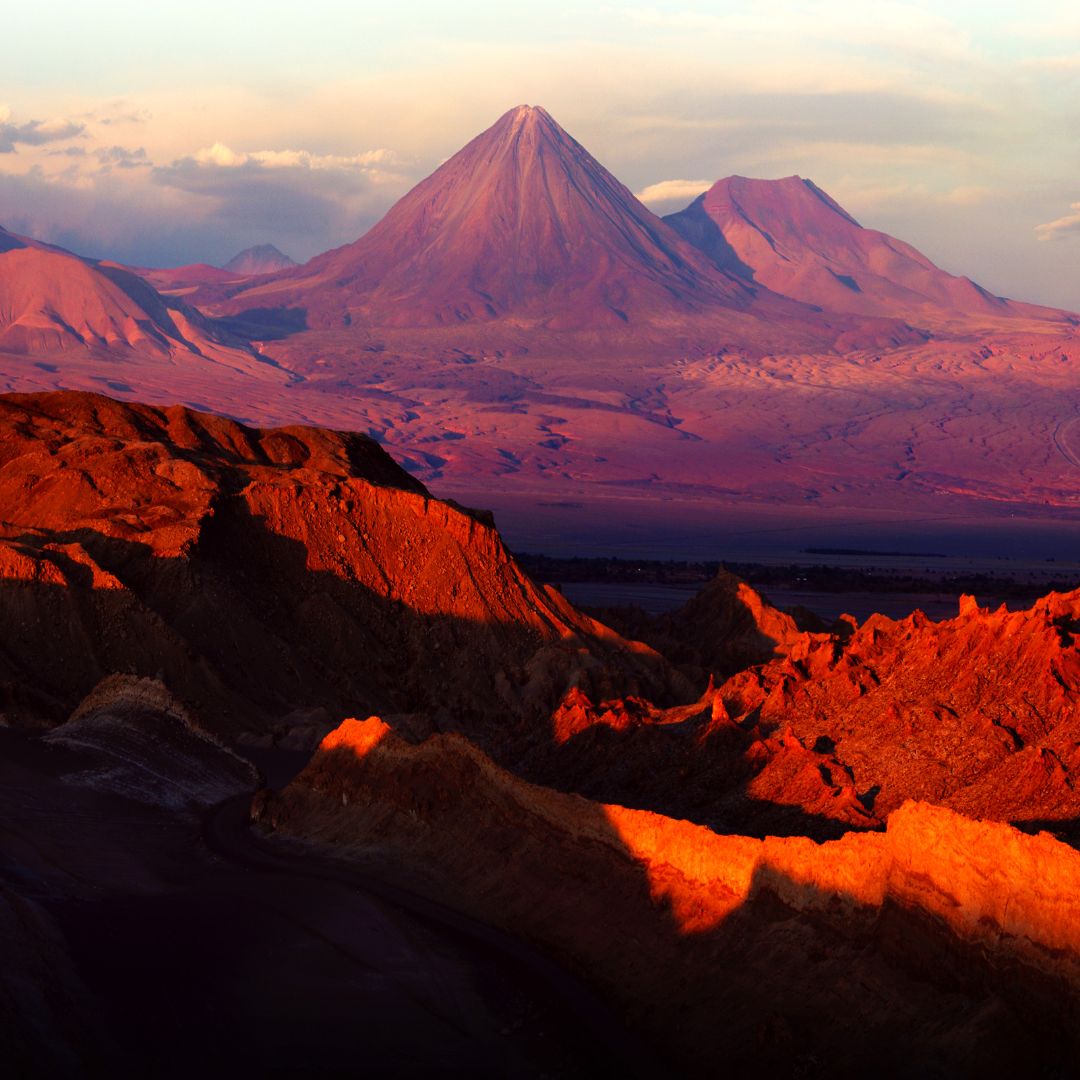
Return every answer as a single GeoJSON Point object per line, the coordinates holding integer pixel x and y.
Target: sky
{"type": "Point", "coordinates": [160, 135]}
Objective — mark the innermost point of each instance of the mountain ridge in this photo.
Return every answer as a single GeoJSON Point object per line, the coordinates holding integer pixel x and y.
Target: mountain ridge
{"type": "Point", "coordinates": [522, 223]}
{"type": "Point", "coordinates": [794, 238]}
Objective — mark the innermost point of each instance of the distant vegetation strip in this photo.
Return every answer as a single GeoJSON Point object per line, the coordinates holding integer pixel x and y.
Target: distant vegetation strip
{"type": "Point", "coordinates": [795, 576]}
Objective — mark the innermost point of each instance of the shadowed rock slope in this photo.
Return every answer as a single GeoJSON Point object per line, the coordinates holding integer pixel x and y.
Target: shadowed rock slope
{"type": "Point", "coordinates": [941, 945]}
{"type": "Point", "coordinates": [142, 744]}
{"type": "Point", "coordinates": [266, 574]}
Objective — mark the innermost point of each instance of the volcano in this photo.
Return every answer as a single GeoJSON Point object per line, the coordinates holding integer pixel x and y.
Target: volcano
{"type": "Point", "coordinates": [796, 240]}
{"type": "Point", "coordinates": [523, 223]}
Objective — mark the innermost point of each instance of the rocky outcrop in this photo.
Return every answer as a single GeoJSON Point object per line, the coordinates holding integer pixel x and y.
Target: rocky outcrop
{"type": "Point", "coordinates": [139, 742]}
{"type": "Point", "coordinates": [950, 943]}
{"type": "Point", "coordinates": [264, 572]}
{"type": "Point", "coordinates": [979, 712]}
{"type": "Point", "coordinates": [724, 628]}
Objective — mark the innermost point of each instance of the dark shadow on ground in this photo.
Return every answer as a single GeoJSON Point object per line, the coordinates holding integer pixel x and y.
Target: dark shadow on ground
{"type": "Point", "coordinates": [810, 985]}
{"type": "Point", "coordinates": [266, 324]}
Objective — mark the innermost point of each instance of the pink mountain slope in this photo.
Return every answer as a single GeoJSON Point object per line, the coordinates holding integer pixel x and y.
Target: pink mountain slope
{"type": "Point", "coordinates": [522, 224]}
{"type": "Point", "coordinates": [790, 236]}
{"type": "Point", "coordinates": [53, 302]}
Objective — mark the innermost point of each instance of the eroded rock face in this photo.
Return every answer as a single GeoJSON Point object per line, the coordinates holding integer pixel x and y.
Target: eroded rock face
{"type": "Point", "coordinates": [836, 731]}
{"type": "Point", "coordinates": [726, 627]}
{"type": "Point", "coordinates": [978, 712]}
{"type": "Point", "coordinates": [951, 943]}
{"type": "Point", "coordinates": [262, 572]}
{"type": "Point", "coordinates": [144, 745]}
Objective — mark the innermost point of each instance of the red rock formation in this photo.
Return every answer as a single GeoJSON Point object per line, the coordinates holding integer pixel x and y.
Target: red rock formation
{"type": "Point", "coordinates": [712, 942]}
{"type": "Point", "coordinates": [979, 712]}
{"type": "Point", "coordinates": [724, 628]}
{"type": "Point", "coordinates": [264, 572]}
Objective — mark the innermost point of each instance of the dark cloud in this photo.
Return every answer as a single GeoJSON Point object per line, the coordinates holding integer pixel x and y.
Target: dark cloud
{"type": "Point", "coordinates": [102, 219]}
{"type": "Point", "coordinates": [122, 158]}
{"type": "Point", "coordinates": [38, 133]}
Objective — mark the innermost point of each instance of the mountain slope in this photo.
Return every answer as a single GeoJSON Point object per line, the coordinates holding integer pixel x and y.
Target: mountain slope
{"type": "Point", "coordinates": [522, 223]}
{"type": "Point", "coordinates": [53, 302]}
{"type": "Point", "coordinates": [792, 237]}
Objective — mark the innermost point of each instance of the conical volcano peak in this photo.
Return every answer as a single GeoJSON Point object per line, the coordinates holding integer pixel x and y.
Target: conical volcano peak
{"type": "Point", "coordinates": [531, 123]}
{"type": "Point", "coordinates": [522, 223]}
{"type": "Point", "coordinates": [524, 113]}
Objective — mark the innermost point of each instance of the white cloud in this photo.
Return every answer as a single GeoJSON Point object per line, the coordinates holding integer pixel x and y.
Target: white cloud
{"type": "Point", "coordinates": [224, 157]}
{"type": "Point", "coordinates": [670, 190]}
{"type": "Point", "coordinates": [1061, 227]}
{"type": "Point", "coordinates": [221, 156]}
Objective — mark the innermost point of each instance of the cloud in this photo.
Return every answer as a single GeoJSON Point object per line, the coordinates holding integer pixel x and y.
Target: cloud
{"type": "Point", "coordinates": [35, 132]}
{"type": "Point", "coordinates": [221, 156]}
{"type": "Point", "coordinates": [121, 157]}
{"type": "Point", "coordinates": [1061, 227]}
{"type": "Point", "coordinates": [224, 157]}
{"type": "Point", "coordinates": [671, 190]}
{"type": "Point", "coordinates": [862, 197]}
{"type": "Point", "coordinates": [306, 190]}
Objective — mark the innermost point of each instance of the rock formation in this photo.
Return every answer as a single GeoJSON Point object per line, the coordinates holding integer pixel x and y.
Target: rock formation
{"type": "Point", "coordinates": [143, 744]}
{"type": "Point", "coordinates": [949, 943]}
{"type": "Point", "coordinates": [264, 572]}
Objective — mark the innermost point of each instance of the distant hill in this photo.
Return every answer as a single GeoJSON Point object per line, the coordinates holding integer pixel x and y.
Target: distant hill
{"type": "Point", "coordinates": [261, 259]}
{"type": "Point", "coordinates": [793, 238]}
{"type": "Point", "coordinates": [52, 302]}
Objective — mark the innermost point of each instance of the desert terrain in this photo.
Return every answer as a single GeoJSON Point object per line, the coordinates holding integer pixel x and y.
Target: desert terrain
{"type": "Point", "coordinates": [317, 744]}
